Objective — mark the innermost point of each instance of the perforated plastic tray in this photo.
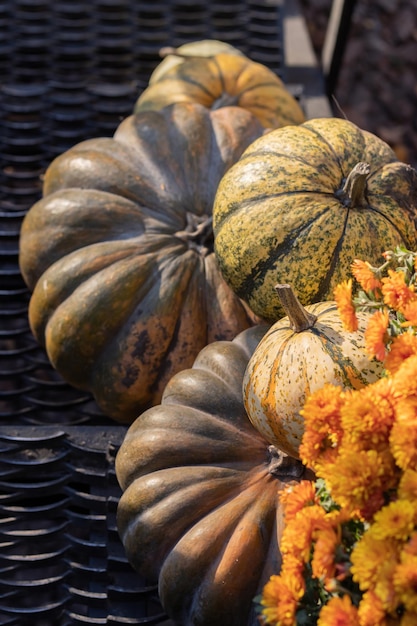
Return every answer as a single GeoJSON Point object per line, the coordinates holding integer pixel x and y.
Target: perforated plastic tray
{"type": "Point", "coordinates": [70, 71]}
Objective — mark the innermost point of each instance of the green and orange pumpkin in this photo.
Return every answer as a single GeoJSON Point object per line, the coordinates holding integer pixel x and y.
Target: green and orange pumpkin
{"type": "Point", "coordinates": [302, 203]}
{"type": "Point", "coordinates": [224, 79]}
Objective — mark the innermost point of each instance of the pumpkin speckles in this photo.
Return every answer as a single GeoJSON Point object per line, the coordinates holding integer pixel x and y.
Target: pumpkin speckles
{"type": "Point", "coordinates": [119, 253]}
{"type": "Point", "coordinates": [281, 212]}
{"type": "Point", "coordinates": [297, 356]}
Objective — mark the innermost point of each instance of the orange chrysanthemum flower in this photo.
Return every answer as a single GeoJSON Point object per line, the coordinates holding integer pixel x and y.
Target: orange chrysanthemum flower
{"type": "Point", "coordinates": [403, 436]}
{"type": "Point", "coordinates": [323, 564]}
{"type": "Point", "coordinates": [409, 618]}
{"type": "Point", "coordinates": [376, 334]}
{"type": "Point", "coordinates": [367, 416]}
{"type": "Point", "coordinates": [339, 612]}
{"type": "Point", "coordinates": [395, 520]}
{"type": "Point", "coordinates": [322, 430]}
{"type": "Point", "coordinates": [402, 347]}
{"type": "Point", "coordinates": [355, 477]}
{"type": "Point", "coordinates": [297, 535]}
{"type": "Point", "coordinates": [407, 488]}
{"type": "Point", "coordinates": [343, 297]}
{"type": "Point", "coordinates": [279, 602]}
{"type": "Point", "coordinates": [296, 497]}
{"type": "Point", "coordinates": [410, 313]}
{"type": "Point", "coordinates": [365, 275]}
{"type": "Point", "coordinates": [370, 610]}
{"type": "Point", "coordinates": [368, 558]}
{"type": "Point", "coordinates": [405, 581]}
{"type": "Point", "coordinates": [404, 381]}
{"type": "Point", "coordinates": [395, 291]}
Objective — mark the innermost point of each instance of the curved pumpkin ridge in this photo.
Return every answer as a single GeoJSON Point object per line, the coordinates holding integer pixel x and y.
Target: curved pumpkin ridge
{"type": "Point", "coordinates": [75, 276]}
{"type": "Point", "coordinates": [288, 366]}
{"type": "Point", "coordinates": [44, 223]}
{"type": "Point", "coordinates": [214, 578]}
{"type": "Point", "coordinates": [344, 139]}
{"type": "Point", "coordinates": [132, 286]}
{"type": "Point", "coordinates": [145, 518]}
{"type": "Point", "coordinates": [144, 450]}
{"type": "Point", "coordinates": [131, 361]}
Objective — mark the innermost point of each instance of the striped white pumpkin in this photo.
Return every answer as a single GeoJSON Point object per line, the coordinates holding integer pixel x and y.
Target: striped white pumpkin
{"type": "Point", "coordinates": [290, 363]}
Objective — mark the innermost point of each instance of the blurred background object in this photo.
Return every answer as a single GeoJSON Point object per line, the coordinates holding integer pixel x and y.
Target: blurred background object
{"type": "Point", "coordinates": [377, 84]}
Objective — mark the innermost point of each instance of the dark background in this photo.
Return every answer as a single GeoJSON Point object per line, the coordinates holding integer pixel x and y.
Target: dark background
{"type": "Point", "coordinates": [377, 86]}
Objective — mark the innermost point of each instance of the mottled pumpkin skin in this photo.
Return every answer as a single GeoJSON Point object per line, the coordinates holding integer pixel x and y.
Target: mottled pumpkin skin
{"type": "Point", "coordinates": [201, 48]}
{"type": "Point", "coordinates": [200, 510]}
{"type": "Point", "coordinates": [126, 289]}
{"type": "Point", "coordinates": [287, 366]}
{"type": "Point", "coordinates": [224, 80]}
{"type": "Point", "coordinates": [278, 217]}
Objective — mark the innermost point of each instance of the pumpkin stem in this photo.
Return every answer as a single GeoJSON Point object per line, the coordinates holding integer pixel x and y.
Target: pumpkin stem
{"type": "Point", "coordinates": [353, 191]}
{"type": "Point", "coordinates": [300, 318]}
{"type": "Point", "coordinates": [282, 465]}
{"type": "Point", "coordinates": [198, 233]}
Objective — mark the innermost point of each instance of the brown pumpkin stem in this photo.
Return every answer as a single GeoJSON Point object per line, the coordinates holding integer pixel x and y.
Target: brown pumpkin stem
{"type": "Point", "coordinates": [353, 191]}
{"type": "Point", "coordinates": [300, 318]}
{"type": "Point", "coordinates": [281, 465]}
{"type": "Point", "coordinates": [198, 233]}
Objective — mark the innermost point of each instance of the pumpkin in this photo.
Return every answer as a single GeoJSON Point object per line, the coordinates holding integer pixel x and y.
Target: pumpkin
{"type": "Point", "coordinates": [203, 48]}
{"type": "Point", "coordinates": [298, 355]}
{"type": "Point", "coordinates": [225, 80]}
{"type": "Point", "coordinates": [302, 203]}
{"type": "Point", "coordinates": [119, 254]}
{"type": "Point", "coordinates": [200, 509]}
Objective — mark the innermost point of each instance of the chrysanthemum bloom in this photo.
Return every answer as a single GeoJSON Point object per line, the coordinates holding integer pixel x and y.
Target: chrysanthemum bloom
{"type": "Point", "coordinates": [297, 534]}
{"type": "Point", "coordinates": [409, 311]}
{"type": "Point", "coordinates": [343, 297]}
{"type": "Point", "coordinates": [404, 381]}
{"type": "Point", "coordinates": [395, 291]}
{"type": "Point", "coordinates": [322, 429]}
{"type": "Point", "coordinates": [367, 416]}
{"type": "Point", "coordinates": [371, 611]}
{"type": "Point", "coordinates": [376, 334]}
{"type": "Point", "coordinates": [402, 347]}
{"type": "Point", "coordinates": [339, 612]}
{"type": "Point", "coordinates": [296, 497]}
{"type": "Point", "coordinates": [323, 563]}
{"type": "Point", "coordinates": [403, 436]}
{"type": "Point", "coordinates": [279, 603]}
{"type": "Point", "coordinates": [405, 581]}
{"type": "Point", "coordinates": [368, 558]}
{"type": "Point", "coordinates": [395, 520]}
{"type": "Point", "coordinates": [355, 477]}
{"type": "Point", "coordinates": [366, 276]}
{"type": "Point", "coordinates": [407, 488]}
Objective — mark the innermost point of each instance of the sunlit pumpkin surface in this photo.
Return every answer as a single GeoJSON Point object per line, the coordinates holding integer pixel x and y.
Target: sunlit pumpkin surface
{"type": "Point", "coordinates": [200, 511]}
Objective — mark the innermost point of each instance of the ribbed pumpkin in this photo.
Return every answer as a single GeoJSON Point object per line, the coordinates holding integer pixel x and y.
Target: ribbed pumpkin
{"type": "Point", "coordinates": [225, 80]}
{"type": "Point", "coordinates": [119, 253]}
{"type": "Point", "coordinates": [200, 511]}
{"type": "Point", "coordinates": [298, 355]}
{"type": "Point", "coordinates": [302, 203]}
{"type": "Point", "coordinates": [201, 48]}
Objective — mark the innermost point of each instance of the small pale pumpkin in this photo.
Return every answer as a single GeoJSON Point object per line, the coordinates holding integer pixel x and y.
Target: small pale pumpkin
{"type": "Point", "coordinates": [302, 203]}
{"type": "Point", "coordinates": [200, 511]}
{"type": "Point", "coordinates": [202, 48]}
{"type": "Point", "coordinates": [298, 355]}
{"type": "Point", "coordinates": [225, 80]}
{"type": "Point", "coordinates": [119, 253]}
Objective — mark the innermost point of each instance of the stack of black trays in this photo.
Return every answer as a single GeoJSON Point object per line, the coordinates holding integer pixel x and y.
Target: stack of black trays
{"type": "Point", "coordinates": [71, 70]}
